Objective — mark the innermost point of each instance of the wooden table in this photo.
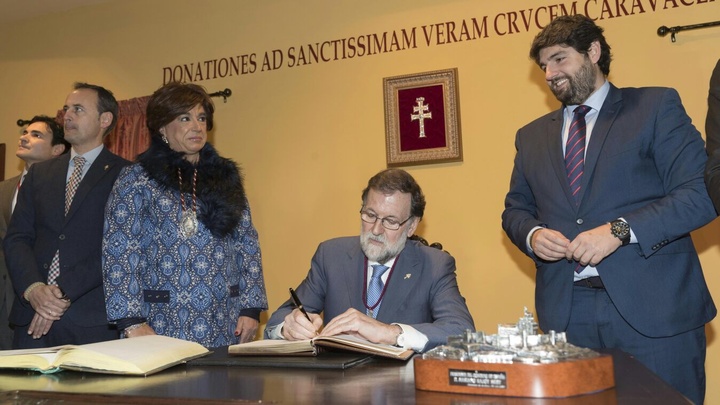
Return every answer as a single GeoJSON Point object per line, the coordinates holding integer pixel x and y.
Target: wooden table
{"type": "Point", "coordinates": [376, 382]}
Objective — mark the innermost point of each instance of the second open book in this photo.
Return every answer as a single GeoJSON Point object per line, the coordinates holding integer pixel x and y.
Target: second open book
{"type": "Point", "coordinates": [142, 355]}
{"type": "Point", "coordinates": [314, 346]}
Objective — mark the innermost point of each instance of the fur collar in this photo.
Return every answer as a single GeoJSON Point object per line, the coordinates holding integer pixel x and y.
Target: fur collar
{"type": "Point", "coordinates": [219, 189]}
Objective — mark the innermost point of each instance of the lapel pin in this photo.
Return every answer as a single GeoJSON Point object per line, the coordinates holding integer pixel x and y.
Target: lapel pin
{"type": "Point", "coordinates": [106, 167]}
{"type": "Point", "coordinates": [407, 276]}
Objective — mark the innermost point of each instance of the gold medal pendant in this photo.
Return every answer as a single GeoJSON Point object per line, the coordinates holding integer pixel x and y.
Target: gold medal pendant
{"type": "Point", "coordinates": [188, 223]}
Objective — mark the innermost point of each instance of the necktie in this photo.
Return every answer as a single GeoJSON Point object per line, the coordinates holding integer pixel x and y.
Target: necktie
{"type": "Point", "coordinates": [375, 289]}
{"type": "Point", "coordinates": [70, 189]}
{"type": "Point", "coordinates": [73, 182]}
{"type": "Point", "coordinates": [575, 150]}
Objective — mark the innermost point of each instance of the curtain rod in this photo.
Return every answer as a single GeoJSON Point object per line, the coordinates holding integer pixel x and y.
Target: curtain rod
{"type": "Point", "coordinates": [223, 93]}
{"type": "Point", "coordinates": [662, 31]}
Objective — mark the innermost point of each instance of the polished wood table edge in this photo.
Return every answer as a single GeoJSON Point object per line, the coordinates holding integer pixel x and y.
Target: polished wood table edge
{"type": "Point", "coordinates": [69, 398]}
{"type": "Point", "coordinates": [381, 381]}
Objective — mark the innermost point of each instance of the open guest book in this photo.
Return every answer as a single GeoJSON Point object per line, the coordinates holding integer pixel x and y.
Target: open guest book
{"type": "Point", "coordinates": [143, 355]}
{"type": "Point", "coordinates": [316, 345]}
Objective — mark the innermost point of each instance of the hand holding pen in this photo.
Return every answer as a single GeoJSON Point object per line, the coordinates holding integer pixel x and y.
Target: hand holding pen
{"type": "Point", "coordinates": [300, 307]}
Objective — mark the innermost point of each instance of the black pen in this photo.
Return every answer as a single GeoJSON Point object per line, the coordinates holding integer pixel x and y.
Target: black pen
{"type": "Point", "coordinates": [299, 304]}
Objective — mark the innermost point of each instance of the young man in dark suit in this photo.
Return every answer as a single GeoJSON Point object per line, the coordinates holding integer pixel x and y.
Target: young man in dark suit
{"type": "Point", "coordinates": [53, 242]}
{"type": "Point", "coordinates": [42, 139]}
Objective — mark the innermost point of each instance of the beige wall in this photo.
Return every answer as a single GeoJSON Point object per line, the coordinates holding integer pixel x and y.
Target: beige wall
{"type": "Point", "coordinates": [309, 137]}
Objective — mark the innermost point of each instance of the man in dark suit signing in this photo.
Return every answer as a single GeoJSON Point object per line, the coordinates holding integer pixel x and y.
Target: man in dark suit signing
{"type": "Point", "coordinates": [379, 286]}
{"type": "Point", "coordinates": [616, 266]}
{"type": "Point", "coordinates": [52, 246]}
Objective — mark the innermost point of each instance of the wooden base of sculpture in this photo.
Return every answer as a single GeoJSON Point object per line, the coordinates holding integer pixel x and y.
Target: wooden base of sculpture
{"type": "Point", "coordinates": [554, 380]}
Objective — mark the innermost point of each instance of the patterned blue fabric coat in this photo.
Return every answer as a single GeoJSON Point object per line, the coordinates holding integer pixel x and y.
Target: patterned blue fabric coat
{"type": "Point", "coordinates": [192, 288]}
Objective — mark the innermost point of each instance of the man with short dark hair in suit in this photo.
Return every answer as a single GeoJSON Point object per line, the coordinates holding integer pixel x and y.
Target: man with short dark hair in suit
{"type": "Point", "coordinates": [610, 232]}
{"type": "Point", "coordinates": [42, 139]}
{"type": "Point", "coordinates": [53, 246]}
{"type": "Point", "coordinates": [417, 303]}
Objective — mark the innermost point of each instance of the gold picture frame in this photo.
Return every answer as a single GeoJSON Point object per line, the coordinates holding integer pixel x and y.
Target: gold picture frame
{"type": "Point", "coordinates": [422, 123]}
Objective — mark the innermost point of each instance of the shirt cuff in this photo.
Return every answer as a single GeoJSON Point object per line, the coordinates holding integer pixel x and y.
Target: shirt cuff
{"type": "Point", "coordinates": [275, 332]}
{"type": "Point", "coordinates": [31, 287]}
{"type": "Point", "coordinates": [125, 323]}
{"type": "Point", "coordinates": [528, 240]}
{"type": "Point", "coordinates": [413, 338]}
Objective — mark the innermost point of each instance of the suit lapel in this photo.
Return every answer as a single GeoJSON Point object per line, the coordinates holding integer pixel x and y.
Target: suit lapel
{"type": "Point", "coordinates": [355, 281]}
{"type": "Point", "coordinates": [99, 168]}
{"type": "Point", "coordinates": [406, 274]}
{"type": "Point", "coordinates": [6, 197]}
{"type": "Point", "coordinates": [555, 149]}
{"type": "Point", "coordinates": [56, 186]}
{"type": "Point", "coordinates": [609, 111]}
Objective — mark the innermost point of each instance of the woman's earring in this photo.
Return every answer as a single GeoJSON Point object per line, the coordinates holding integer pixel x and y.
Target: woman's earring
{"type": "Point", "coordinates": [164, 138]}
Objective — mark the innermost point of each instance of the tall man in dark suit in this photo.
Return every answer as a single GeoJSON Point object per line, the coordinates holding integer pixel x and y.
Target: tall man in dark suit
{"type": "Point", "coordinates": [42, 139]}
{"type": "Point", "coordinates": [380, 286]}
{"type": "Point", "coordinates": [53, 249]}
{"type": "Point", "coordinates": [616, 266]}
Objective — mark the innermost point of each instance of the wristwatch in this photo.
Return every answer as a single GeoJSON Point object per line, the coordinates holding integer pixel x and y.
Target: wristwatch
{"type": "Point", "coordinates": [621, 230]}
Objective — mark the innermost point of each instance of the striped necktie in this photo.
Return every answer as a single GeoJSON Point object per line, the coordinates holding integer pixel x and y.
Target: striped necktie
{"type": "Point", "coordinates": [575, 150]}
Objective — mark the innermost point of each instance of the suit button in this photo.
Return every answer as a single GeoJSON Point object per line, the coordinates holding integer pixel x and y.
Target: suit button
{"type": "Point", "coordinates": [45, 266]}
{"type": "Point", "coordinates": [579, 221]}
{"type": "Point", "coordinates": [62, 237]}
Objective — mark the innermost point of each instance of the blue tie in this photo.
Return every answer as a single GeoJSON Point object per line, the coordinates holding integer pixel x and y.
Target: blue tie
{"type": "Point", "coordinates": [375, 289]}
{"type": "Point", "coordinates": [575, 150]}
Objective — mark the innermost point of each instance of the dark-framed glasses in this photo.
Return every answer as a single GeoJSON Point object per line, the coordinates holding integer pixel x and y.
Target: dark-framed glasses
{"type": "Point", "coordinates": [387, 223]}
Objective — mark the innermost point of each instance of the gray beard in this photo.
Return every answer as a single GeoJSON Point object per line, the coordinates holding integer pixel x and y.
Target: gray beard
{"type": "Point", "coordinates": [380, 254]}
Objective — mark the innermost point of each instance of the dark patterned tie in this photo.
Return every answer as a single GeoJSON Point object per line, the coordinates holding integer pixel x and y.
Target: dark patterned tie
{"type": "Point", "coordinates": [70, 189]}
{"type": "Point", "coordinates": [575, 150]}
{"type": "Point", "coordinates": [74, 181]}
{"type": "Point", "coordinates": [375, 289]}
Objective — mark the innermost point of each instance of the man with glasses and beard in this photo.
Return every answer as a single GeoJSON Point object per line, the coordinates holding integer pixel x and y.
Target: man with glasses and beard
{"type": "Point", "coordinates": [379, 286]}
{"type": "Point", "coordinates": [603, 196]}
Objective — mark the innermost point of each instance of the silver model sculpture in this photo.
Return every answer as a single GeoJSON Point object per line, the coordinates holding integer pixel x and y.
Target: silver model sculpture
{"type": "Point", "coordinates": [518, 343]}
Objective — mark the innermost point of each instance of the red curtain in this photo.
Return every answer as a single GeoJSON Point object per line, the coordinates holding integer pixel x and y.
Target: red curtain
{"type": "Point", "coordinates": [130, 136]}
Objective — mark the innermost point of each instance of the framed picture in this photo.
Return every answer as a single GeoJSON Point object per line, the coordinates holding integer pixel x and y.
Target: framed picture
{"type": "Point", "coordinates": [422, 118]}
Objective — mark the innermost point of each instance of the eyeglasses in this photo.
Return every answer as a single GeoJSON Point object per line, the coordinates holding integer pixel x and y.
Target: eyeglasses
{"type": "Point", "coordinates": [387, 223]}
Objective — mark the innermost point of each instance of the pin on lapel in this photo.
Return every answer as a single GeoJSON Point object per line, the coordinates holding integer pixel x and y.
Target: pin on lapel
{"type": "Point", "coordinates": [107, 166]}
{"type": "Point", "coordinates": [407, 276]}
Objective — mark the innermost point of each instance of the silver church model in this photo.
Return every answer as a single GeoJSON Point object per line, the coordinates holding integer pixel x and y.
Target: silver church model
{"type": "Point", "coordinates": [518, 343]}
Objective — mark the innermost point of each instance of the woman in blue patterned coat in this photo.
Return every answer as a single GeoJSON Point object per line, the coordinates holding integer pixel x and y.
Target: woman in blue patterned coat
{"type": "Point", "coordinates": [180, 253]}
